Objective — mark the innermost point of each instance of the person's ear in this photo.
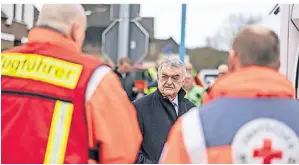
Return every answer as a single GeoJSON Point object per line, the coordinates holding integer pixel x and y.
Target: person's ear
{"type": "Point", "coordinates": [77, 35]}
{"type": "Point", "coordinates": [233, 61]}
{"type": "Point", "coordinates": [74, 31]}
{"type": "Point", "coordinates": [277, 65]}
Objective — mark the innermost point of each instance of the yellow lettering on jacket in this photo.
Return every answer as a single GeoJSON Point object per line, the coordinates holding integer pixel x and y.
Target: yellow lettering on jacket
{"type": "Point", "coordinates": [41, 68]}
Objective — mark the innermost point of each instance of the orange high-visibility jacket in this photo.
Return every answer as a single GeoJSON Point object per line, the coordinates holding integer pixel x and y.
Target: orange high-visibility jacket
{"type": "Point", "coordinates": [58, 105]}
{"type": "Point", "coordinates": [250, 119]}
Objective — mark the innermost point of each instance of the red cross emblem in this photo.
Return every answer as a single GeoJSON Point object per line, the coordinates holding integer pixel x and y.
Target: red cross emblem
{"type": "Point", "coordinates": [267, 153]}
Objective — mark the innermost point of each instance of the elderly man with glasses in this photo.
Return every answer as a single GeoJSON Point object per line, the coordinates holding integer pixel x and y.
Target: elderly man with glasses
{"type": "Point", "coordinates": [158, 111]}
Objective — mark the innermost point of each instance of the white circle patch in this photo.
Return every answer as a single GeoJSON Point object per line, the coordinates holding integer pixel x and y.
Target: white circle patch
{"type": "Point", "coordinates": [265, 141]}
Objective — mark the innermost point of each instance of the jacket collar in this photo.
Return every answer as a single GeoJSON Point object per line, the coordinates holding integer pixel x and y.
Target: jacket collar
{"type": "Point", "coordinates": [51, 35]}
{"type": "Point", "coordinates": [253, 82]}
{"type": "Point", "coordinates": [181, 94]}
{"type": "Point", "coordinates": [120, 74]}
{"type": "Point", "coordinates": [168, 106]}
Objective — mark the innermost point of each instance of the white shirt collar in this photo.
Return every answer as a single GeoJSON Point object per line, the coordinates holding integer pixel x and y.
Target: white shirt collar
{"type": "Point", "coordinates": [123, 75]}
{"type": "Point", "coordinates": [176, 100]}
{"type": "Point", "coordinates": [175, 103]}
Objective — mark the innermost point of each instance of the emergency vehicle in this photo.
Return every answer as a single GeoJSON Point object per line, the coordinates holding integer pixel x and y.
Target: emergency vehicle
{"type": "Point", "coordinates": [208, 76]}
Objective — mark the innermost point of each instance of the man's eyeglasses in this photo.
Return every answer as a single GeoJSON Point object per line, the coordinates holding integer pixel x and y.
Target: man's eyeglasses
{"type": "Point", "coordinates": [174, 78]}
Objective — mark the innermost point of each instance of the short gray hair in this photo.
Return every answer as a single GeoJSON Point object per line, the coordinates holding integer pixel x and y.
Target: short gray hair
{"type": "Point", "coordinates": [61, 16]}
{"type": "Point", "coordinates": [174, 62]}
{"type": "Point", "coordinates": [257, 45]}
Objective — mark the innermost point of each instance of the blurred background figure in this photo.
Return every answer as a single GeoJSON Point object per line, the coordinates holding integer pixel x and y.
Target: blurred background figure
{"type": "Point", "coordinates": [194, 92]}
{"type": "Point", "coordinates": [189, 67]}
{"type": "Point", "coordinates": [152, 74]}
{"type": "Point", "coordinates": [124, 73]}
{"type": "Point", "coordinates": [223, 69]}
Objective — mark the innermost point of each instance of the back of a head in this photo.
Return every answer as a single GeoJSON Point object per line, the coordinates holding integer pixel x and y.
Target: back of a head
{"type": "Point", "coordinates": [190, 76]}
{"type": "Point", "coordinates": [257, 45]}
{"type": "Point", "coordinates": [189, 67]}
{"type": "Point", "coordinates": [223, 68]}
{"type": "Point", "coordinates": [62, 16]}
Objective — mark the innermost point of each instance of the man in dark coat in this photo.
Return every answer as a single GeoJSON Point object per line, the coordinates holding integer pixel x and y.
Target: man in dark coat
{"type": "Point", "coordinates": [123, 71]}
{"type": "Point", "coordinates": [158, 111]}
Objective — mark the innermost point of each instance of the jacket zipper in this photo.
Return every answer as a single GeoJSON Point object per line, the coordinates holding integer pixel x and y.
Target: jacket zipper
{"type": "Point", "coordinates": [35, 95]}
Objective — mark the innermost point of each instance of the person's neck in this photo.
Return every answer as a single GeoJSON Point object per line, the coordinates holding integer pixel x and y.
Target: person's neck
{"type": "Point", "coordinates": [171, 97]}
{"type": "Point", "coordinates": [53, 29]}
{"type": "Point", "coordinates": [188, 89]}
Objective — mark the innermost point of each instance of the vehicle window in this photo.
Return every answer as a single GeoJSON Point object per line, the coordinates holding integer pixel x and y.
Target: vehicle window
{"type": "Point", "coordinates": [209, 79]}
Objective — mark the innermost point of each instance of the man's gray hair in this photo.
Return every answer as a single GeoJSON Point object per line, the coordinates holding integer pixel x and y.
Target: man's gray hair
{"type": "Point", "coordinates": [61, 16]}
{"type": "Point", "coordinates": [173, 62]}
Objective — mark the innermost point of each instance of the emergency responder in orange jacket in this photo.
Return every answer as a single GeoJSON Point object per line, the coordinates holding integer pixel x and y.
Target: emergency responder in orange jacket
{"type": "Point", "coordinates": [59, 106]}
{"type": "Point", "coordinates": [253, 117]}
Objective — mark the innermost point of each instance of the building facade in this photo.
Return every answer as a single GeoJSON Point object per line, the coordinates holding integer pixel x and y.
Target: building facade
{"type": "Point", "coordinates": [16, 21]}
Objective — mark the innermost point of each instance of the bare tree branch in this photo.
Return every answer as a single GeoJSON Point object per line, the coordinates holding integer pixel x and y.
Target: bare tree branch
{"type": "Point", "coordinates": [211, 42]}
{"type": "Point", "coordinates": [231, 26]}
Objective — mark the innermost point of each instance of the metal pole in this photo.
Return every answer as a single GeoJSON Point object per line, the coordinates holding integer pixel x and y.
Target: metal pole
{"type": "Point", "coordinates": [123, 31]}
{"type": "Point", "coordinates": [182, 49]}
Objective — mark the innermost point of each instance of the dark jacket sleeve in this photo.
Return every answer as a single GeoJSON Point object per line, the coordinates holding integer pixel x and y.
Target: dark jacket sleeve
{"type": "Point", "coordinates": [141, 158]}
{"type": "Point", "coordinates": [137, 106]}
{"type": "Point", "coordinates": [190, 105]}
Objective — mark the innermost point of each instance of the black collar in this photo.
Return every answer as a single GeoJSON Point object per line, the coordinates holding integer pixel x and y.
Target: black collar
{"type": "Point", "coordinates": [118, 73]}
{"type": "Point", "coordinates": [181, 95]}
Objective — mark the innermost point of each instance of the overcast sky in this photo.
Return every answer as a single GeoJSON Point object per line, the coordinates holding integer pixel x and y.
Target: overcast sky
{"type": "Point", "coordinates": [202, 19]}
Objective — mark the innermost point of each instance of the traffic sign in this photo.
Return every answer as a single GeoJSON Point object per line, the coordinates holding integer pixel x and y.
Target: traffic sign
{"type": "Point", "coordinates": [138, 41]}
{"type": "Point", "coordinates": [110, 41]}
